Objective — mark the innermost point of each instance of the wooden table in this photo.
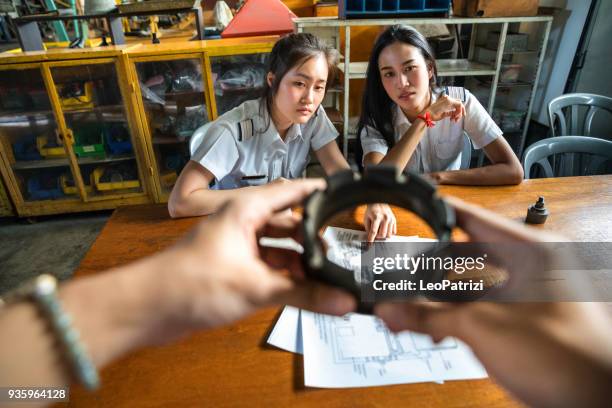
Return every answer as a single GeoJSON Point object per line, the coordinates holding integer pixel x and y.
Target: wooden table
{"type": "Point", "coordinates": [233, 366]}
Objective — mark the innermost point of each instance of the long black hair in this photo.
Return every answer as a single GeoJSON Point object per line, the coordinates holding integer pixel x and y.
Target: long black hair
{"type": "Point", "coordinates": [290, 51]}
{"type": "Point", "coordinates": [376, 105]}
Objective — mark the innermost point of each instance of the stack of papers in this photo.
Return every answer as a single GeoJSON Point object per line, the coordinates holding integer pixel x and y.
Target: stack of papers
{"type": "Point", "coordinates": [358, 350]}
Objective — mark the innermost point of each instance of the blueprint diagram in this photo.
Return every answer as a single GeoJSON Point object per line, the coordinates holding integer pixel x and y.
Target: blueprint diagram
{"type": "Point", "coordinates": [358, 350]}
{"type": "Point", "coordinates": [344, 247]}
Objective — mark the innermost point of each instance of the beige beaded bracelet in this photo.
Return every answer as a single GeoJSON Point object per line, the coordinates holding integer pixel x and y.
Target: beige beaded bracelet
{"type": "Point", "coordinates": [43, 291]}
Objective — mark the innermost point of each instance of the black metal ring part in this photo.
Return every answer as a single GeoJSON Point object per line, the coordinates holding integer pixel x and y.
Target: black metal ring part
{"type": "Point", "coordinates": [379, 184]}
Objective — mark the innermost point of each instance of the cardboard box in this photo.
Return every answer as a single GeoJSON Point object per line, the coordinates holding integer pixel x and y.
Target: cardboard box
{"type": "Point", "coordinates": [495, 8]}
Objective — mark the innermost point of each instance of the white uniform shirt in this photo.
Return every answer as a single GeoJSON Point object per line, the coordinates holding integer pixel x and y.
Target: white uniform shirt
{"type": "Point", "coordinates": [441, 146]}
{"type": "Point", "coordinates": [238, 144]}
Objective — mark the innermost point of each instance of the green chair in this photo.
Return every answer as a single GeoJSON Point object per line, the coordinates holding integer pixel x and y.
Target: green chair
{"type": "Point", "coordinates": [540, 152]}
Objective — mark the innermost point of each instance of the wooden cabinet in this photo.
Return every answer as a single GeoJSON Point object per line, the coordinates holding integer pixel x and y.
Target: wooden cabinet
{"type": "Point", "coordinates": [173, 103]}
{"type": "Point", "coordinates": [69, 137]}
{"type": "Point", "coordinates": [237, 78]}
{"type": "Point", "coordinates": [6, 207]}
{"type": "Point", "coordinates": [94, 129]}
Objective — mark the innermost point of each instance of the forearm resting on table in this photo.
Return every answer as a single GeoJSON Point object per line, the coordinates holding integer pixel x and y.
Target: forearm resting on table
{"type": "Point", "coordinates": [191, 196]}
{"type": "Point", "coordinates": [491, 175]}
{"type": "Point", "coordinates": [114, 312]}
{"type": "Point", "coordinates": [506, 168]}
{"type": "Point", "coordinates": [203, 201]}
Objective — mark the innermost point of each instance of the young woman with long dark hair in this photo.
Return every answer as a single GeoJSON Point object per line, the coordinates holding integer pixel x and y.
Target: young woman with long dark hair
{"type": "Point", "coordinates": [407, 121]}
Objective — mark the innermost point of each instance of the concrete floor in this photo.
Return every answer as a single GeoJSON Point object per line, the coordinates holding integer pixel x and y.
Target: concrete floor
{"type": "Point", "coordinates": [54, 244]}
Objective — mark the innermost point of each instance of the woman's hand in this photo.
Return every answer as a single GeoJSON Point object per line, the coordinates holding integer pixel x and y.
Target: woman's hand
{"type": "Point", "coordinates": [215, 275]}
{"type": "Point", "coordinates": [379, 222]}
{"type": "Point", "coordinates": [519, 343]}
{"type": "Point", "coordinates": [436, 177]}
{"type": "Point", "coordinates": [445, 107]}
{"type": "Point", "coordinates": [219, 273]}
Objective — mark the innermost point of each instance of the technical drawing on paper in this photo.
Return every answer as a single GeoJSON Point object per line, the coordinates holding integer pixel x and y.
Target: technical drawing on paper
{"type": "Point", "coordinates": [348, 345]}
{"type": "Point", "coordinates": [344, 247]}
{"type": "Point", "coordinates": [358, 350]}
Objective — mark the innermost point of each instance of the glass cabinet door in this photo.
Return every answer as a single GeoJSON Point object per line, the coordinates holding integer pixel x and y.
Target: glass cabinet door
{"type": "Point", "coordinates": [95, 114]}
{"type": "Point", "coordinates": [6, 208]}
{"type": "Point", "coordinates": [237, 78]}
{"type": "Point", "coordinates": [175, 106]}
{"type": "Point", "coordinates": [30, 138]}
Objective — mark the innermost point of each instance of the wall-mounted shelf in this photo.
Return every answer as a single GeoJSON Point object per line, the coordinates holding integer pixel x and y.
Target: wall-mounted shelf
{"type": "Point", "coordinates": [507, 52]}
{"type": "Point", "coordinates": [47, 163]}
{"type": "Point", "coordinates": [446, 67]}
{"type": "Point", "coordinates": [28, 32]}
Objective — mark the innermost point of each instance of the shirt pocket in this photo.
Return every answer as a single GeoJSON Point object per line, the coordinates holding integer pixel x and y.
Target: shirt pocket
{"type": "Point", "coordinates": [275, 168]}
{"type": "Point", "coordinates": [253, 173]}
{"type": "Point", "coordinates": [297, 166]}
{"type": "Point", "coordinates": [449, 143]}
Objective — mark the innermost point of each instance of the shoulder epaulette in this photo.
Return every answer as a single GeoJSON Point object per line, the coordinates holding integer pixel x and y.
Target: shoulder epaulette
{"type": "Point", "coordinates": [245, 130]}
{"type": "Point", "coordinates": [457, 92]}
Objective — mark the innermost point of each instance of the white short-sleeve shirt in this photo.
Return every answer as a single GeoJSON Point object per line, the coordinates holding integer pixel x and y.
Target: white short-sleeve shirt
{"type": "Point", "coordinates": [441, 146]}
{"type": "Point", "coordinates": [238, 145]}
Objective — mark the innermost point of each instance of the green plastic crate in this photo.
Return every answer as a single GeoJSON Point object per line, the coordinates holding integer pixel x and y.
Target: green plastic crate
{"type": "Point", "coordinates": [89, 141]}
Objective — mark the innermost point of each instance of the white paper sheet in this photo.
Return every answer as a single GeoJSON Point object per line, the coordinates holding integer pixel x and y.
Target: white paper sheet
{"type": "Point", "coordinates": [359, 351]}
{"type": "Point", "coordinates": [337, 235]}
{"type": "Point", "coordinates": [344, 246]}
{"type": "Point", "coordinates": [287, 332]}
{"type": "Point", "coordinates": [283, 243]}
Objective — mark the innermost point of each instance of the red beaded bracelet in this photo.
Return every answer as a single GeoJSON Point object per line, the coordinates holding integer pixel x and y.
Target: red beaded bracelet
{"type": "Point", "coordinates": [427, 119]}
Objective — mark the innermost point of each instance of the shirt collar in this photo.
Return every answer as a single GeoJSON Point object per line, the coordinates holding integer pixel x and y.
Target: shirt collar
{"type": "Point", "coordinates": [294, 131]}
{"type": "Point", "coordinates": [400, 121]}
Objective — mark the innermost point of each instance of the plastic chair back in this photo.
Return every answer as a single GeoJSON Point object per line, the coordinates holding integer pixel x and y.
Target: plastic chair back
{"type": "Point", "coordinates": [466, 153]}
{"type": "Point", "coordinates": [570, 103]}
{"type": "Point", "coordinates": [539, 153]}
{"type": "Point", "coordinates": [196, 138]}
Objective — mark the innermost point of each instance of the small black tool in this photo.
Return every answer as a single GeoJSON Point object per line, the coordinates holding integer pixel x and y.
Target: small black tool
{"type": "Point", "coordinates": [537, 213]}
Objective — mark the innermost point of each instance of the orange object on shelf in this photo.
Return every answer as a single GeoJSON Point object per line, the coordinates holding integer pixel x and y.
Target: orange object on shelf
{"type": "Point", "coordinates": [260, 17]}
{"type": "Point", "coordinates": [326, 10]}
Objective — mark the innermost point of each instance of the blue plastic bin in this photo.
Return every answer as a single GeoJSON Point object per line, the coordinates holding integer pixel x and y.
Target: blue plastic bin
{"type": "Point", "coordinates": [26, 149]}
{"type": "Point", "coordinates": [117, 139]}
{"type": "Point", "coordinates": [364, 8]}
{"type": "Point", "coordinates": [44, 187]}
